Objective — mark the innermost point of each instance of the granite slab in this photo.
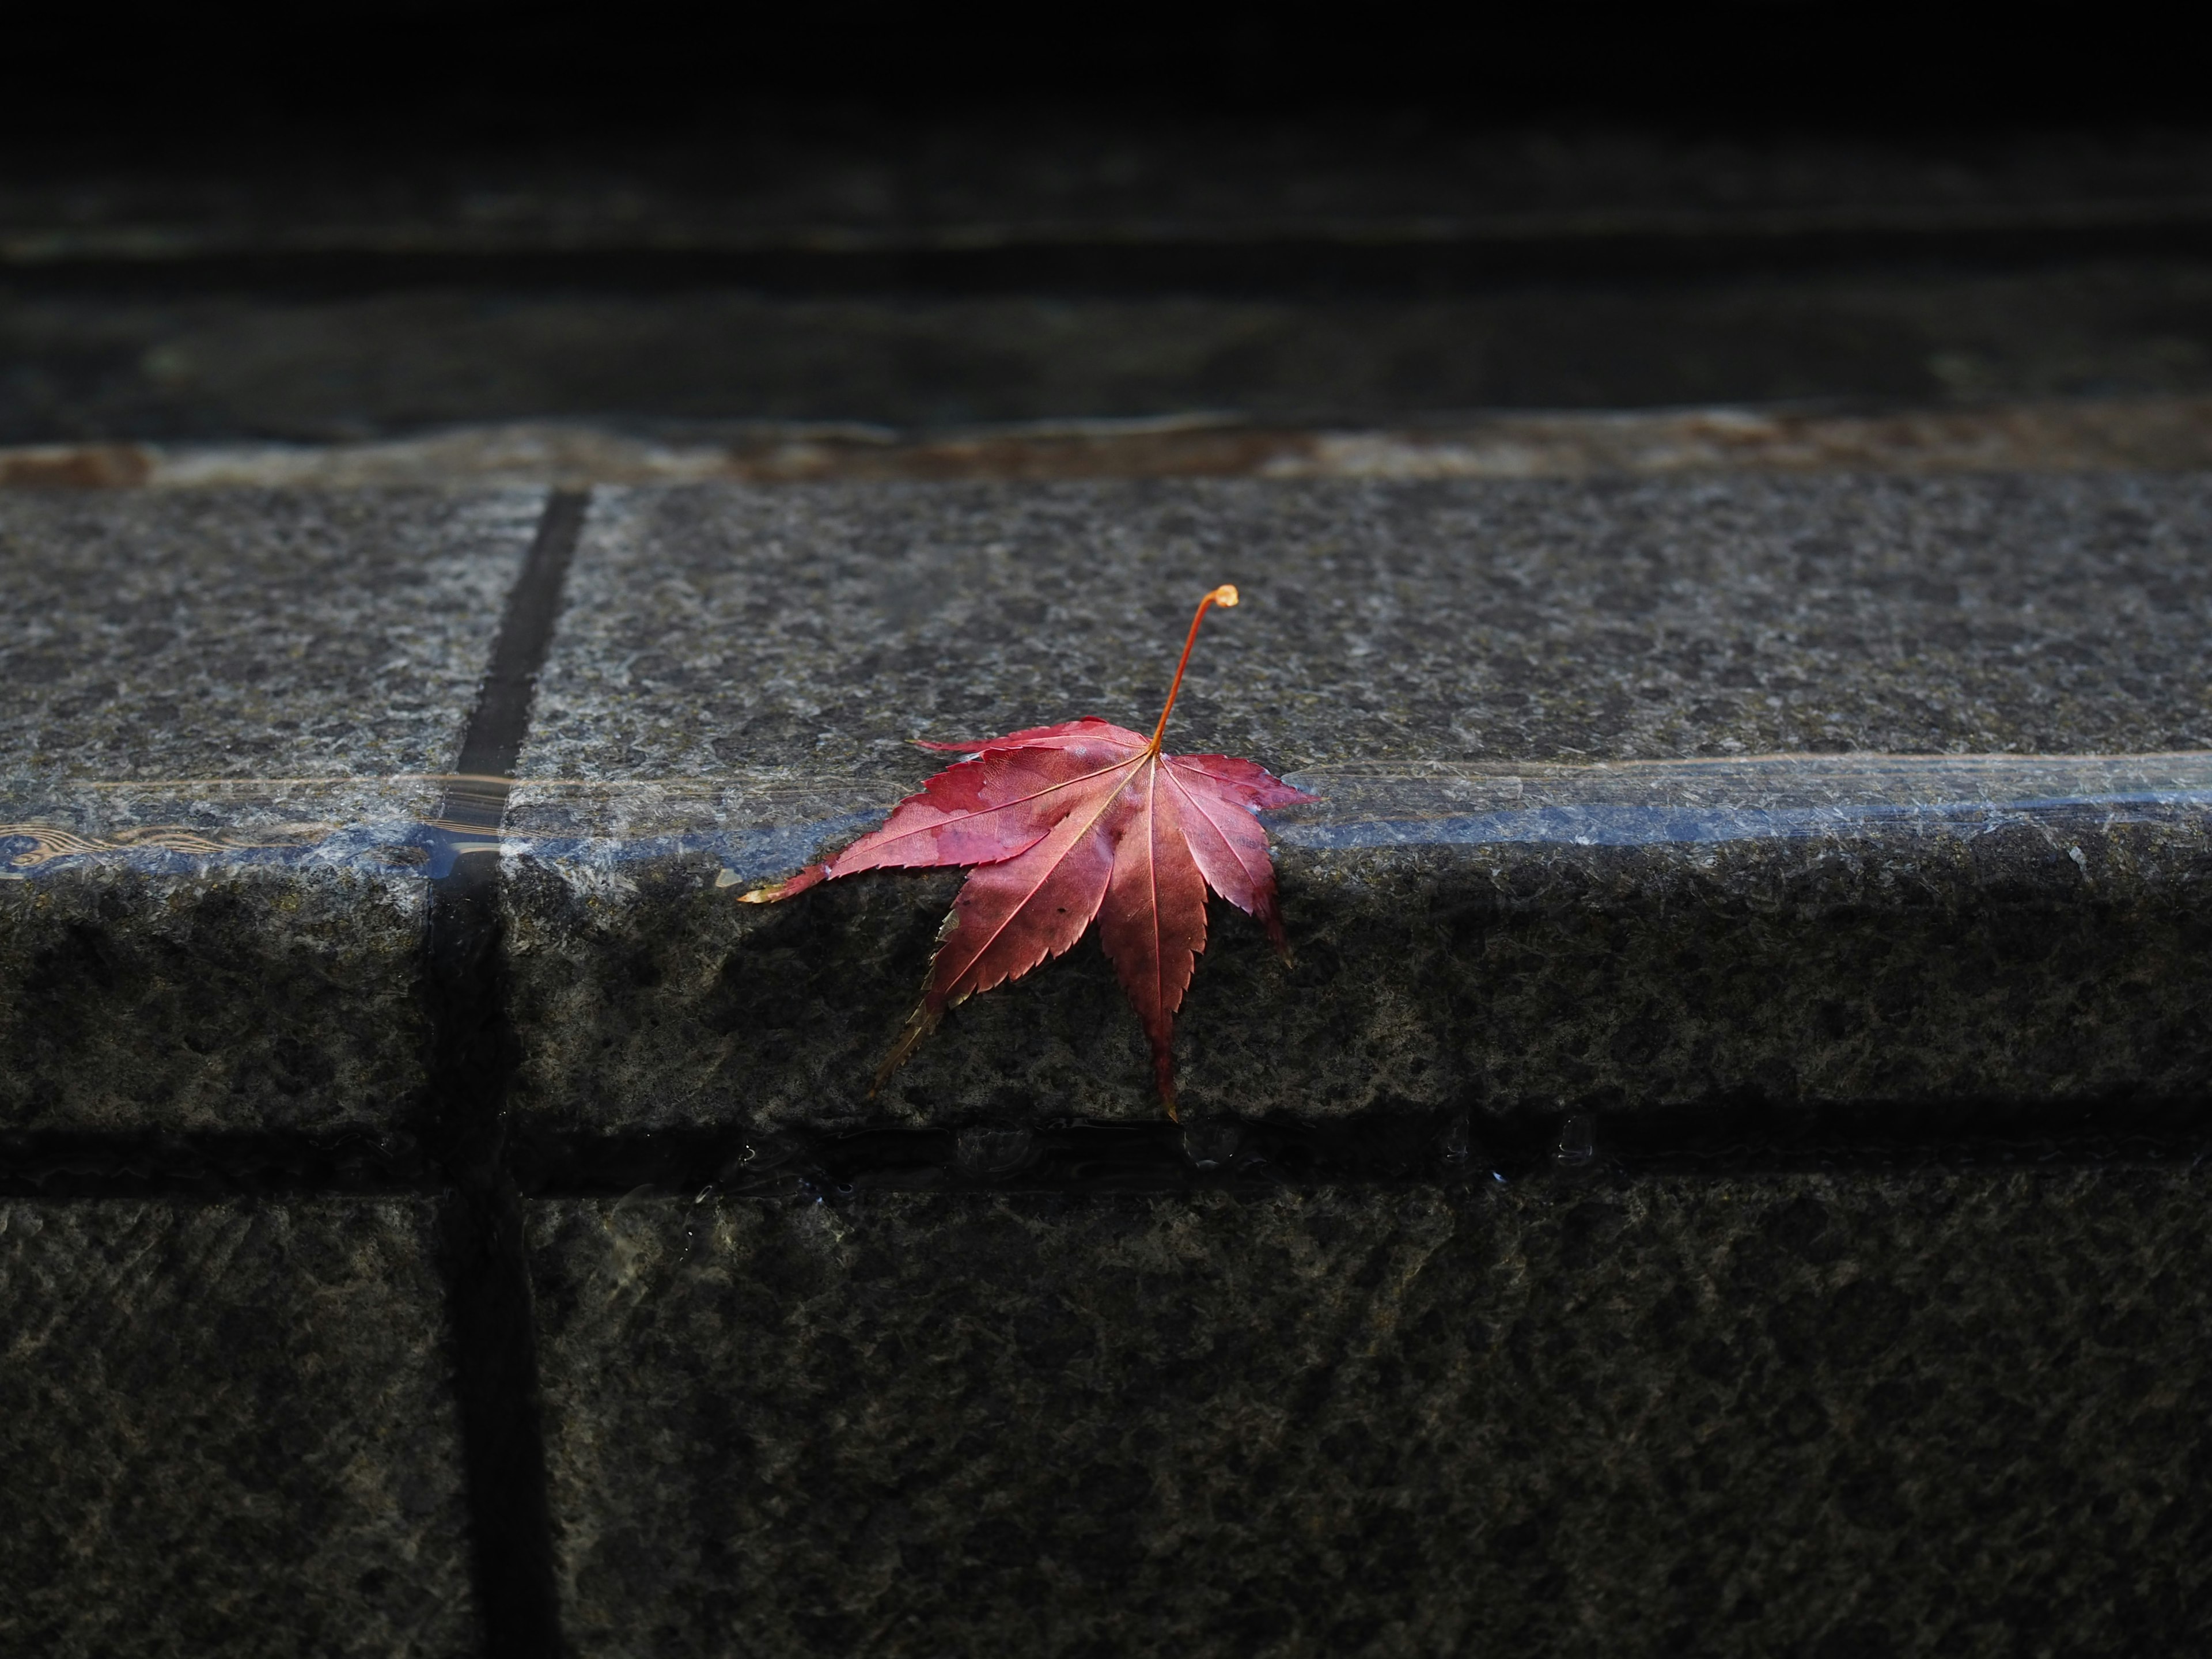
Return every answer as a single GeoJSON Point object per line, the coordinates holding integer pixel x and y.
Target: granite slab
{"type": "Point", "coordinates": [1816, 793]}
{"type": "Point", "coordinates": [223, 718]}
{"type": "Point", "coordinates": [224, 1428]}
{"type": "Point", "coordinates": [1934, 1411]}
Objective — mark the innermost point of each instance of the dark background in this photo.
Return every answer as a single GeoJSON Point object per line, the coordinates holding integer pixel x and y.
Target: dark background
{"type": "Point", "coordinates": [354, 221]}
{"type": "Point", "coordinates": [113, 79]}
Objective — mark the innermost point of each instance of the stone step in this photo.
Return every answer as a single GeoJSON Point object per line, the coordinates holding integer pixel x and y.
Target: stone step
{"type": "Point", "coordinates": [2081, 434]}
{"type": "Point", "coordinates": [1348, 273]}
{"type": "Point", "coordinates": [1868, 1413]}
{"type": "Point", "coordinates": [856, 185]}
{"type": "Point", "coordinates": [1828, 794]}
{"type": "Point", "coordinates": [1732, 1133]}
{"type": "Point", "coordinates": [228, 1428]}
{"type": "Point", "coordinates": [248, 366]}
{"type": "Point", "coordinates": [223, 727]}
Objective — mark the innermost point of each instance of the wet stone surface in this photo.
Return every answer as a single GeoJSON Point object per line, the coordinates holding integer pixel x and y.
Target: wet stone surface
{"type": "Point", "coordinates": [216, 715]}
{"type": "Point", "coordinates": [1892, 1413]}
{"type": "Point", "coordinates": [224, 1429]}
{"type": "Point", "coordinates": [738, 673]}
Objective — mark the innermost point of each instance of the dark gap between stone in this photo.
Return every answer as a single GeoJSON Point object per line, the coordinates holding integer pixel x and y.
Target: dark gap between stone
{"type": "Point", "coordinates": [474, 1055]}
{"type": "Point", "coordinates": [353, 1163]}
{"type": "Point", "coordinates": [1715, 1139]}
{"type": "Point", "coordinates": [1462, 259]}
{"type": "Point", "coordinates": [1722, 1140]}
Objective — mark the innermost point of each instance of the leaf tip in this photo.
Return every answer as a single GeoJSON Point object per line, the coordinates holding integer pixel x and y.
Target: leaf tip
{"type": "Point", "coordinates": [812, 874]}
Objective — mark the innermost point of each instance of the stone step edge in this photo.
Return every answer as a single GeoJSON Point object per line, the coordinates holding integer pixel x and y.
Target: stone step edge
{"type": "Point", "coordinates": [2155, 433]}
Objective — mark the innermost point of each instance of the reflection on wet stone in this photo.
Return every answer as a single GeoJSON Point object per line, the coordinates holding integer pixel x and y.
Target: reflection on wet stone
{"type": "Point", "coordinates": [215, 825]}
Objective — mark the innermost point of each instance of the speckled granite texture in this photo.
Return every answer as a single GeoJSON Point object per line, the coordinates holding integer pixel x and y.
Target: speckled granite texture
{"type": "Point", "coordinates": [746, 667]}
{"type": "Point", "coordinates": [713, 628]}
{"type": "Point", "coordinates": [1956, 1413]}
{"type": "Point", "coordinates": [224, 1430]}
{"type": "Point", "coordinates": [216, 713]}
{"type": "Point", "coordinates": [246, 634]}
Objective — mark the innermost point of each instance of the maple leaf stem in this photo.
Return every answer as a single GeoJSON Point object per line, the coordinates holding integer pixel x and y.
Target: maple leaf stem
{"type": "Point", "coordinates": [1224, 596]}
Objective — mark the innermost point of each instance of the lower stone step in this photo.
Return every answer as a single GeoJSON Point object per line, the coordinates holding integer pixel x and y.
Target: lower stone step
{"type": "Point", "coordinates": [1923, 1411]}
{"type": "Point", "coordinates": [228, 1428]}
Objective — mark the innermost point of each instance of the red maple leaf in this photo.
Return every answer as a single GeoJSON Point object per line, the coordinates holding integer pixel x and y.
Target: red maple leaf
{"type": "Point", "coordinates": [1071, 823]}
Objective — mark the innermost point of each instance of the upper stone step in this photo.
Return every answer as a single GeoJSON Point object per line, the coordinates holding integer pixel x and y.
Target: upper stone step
{"type": "Point", "coordinates": [1820, 794]}
{"type": "Point", "coordinates": [223, 721]}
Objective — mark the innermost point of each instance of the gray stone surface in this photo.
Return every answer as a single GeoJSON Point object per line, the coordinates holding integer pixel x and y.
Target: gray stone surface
{"type": "Point", "coordinates": [738, 673]}
{"type": "Point", "coordinates": [224, 1429]}
{"type": "Point", "coordinates": [1935, 1413]}
{"type": "Point", "coordinates": [219, 715]}
{"type": "Point", "coordinates": [247, 634]}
